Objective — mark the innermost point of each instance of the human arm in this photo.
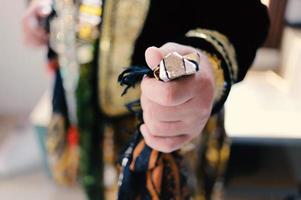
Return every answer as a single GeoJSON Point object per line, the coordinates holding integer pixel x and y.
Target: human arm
{"type": "Point", "coordinates": [176, 112]}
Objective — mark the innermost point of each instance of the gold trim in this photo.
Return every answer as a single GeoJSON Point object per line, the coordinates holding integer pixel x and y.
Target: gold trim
{"type": "Point", "coordinates": [157, 73]}
{"type": "Point", "coordinates": [116, 47]}
{"type": "Point", "coordinates": [226, 48]}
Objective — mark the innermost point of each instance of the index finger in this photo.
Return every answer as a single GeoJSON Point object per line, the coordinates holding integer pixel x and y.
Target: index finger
{"type": "Point", "coordinates": [171, 93]}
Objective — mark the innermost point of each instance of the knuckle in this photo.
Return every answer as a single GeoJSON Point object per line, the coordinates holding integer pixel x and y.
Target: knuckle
{"type": "Point", "coordinates": [167, 44]}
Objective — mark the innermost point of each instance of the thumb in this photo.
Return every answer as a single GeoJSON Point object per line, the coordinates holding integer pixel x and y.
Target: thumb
{"type": "Point", "coordinates": [153, 56]}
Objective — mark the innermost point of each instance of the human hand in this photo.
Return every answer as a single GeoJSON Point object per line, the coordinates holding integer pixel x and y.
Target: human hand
{"type": "Point", "coordinates": [175, 112]}
{"type": "Point", "coordinates": [33, 34]}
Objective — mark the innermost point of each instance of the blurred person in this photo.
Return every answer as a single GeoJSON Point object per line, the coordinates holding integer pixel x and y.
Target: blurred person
{"type": "Point", "coordinates": [91, 41]}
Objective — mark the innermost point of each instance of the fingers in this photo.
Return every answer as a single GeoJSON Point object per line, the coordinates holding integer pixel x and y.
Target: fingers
{"type": "Point", "coordinates": [153, 56]}
{"type": "Point", "coordinates": [169, 113]}
{"type": "Point", "coordinates": [174, 112]}
{"type": "Point", "coordinates": [170, 93]}
{"type": "Point", "coordinates": [172, 121]}
{"type": "Point", "coordinates": [174, 47]}
{"type": "Point", "coordinates": [163, 144]}
{"type": "Point", "coordinates": [171, 128]}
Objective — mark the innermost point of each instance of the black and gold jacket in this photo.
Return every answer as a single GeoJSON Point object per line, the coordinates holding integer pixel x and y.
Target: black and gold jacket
{"type": "Point", "coordinates": [230, 30]}
{"type": "Point", "coordinates": [129, 27]}
{"type": "Point", "coordinates": [132, 26]}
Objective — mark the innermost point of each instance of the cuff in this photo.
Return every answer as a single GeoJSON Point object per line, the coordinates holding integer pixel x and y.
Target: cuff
{"type": "Point", "coordinates": [221, 55]}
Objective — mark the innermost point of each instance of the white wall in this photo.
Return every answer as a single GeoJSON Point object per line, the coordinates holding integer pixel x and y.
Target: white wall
{"type": "Point", "coordinates": [23, 75]}
{"type": "Point", "coordinates": [293, 12]}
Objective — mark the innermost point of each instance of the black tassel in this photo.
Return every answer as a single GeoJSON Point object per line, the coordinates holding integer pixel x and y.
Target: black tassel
{"type": "Point", "coordinates": [132, 75]}
{"type": "Point", "coordinates": [135, 108]}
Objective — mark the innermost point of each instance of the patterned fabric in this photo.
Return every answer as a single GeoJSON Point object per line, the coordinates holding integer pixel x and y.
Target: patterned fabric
{"type": "Point", "coordinates": [149, 174]}
{"type": "Point", "coordinates": [206, 160]}
{"type": "Point", "coordinates": [62, 138]}
{"type": "Point", "coordinates": [214, 151]}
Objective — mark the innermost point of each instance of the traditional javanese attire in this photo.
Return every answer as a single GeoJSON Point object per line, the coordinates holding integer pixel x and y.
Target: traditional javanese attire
{"type": "Point", "coordinates": [91, 43]}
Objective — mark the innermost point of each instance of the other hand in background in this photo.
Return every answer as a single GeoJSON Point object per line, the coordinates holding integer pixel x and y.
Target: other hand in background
{"type": "Point", "coordinates": [34, 34]}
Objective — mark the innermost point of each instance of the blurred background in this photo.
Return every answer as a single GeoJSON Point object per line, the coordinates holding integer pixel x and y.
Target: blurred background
{"type": "Point", "coordinates": [265, 160]}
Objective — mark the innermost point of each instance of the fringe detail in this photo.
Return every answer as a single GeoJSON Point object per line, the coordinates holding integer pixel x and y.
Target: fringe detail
{"type": "Point", "coordinates": [132, 75]}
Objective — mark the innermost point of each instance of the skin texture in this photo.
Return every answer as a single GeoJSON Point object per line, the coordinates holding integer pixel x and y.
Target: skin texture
{"type": "Point", "coordinates": [175, 112]}
{"type": "Point", "coordinates": [33, 34]}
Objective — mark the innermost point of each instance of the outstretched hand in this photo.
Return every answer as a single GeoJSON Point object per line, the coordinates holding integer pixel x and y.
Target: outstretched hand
{"type": "Point", "coordinates": [175, 112]}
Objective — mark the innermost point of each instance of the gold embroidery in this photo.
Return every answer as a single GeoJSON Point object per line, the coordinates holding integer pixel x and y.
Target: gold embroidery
{"type": "Point", "coordinates": [122, 24]}
{"type": "Point", "coordinates": [221, 43]}
{"type": "Point", "coordinates": [228, 47]}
